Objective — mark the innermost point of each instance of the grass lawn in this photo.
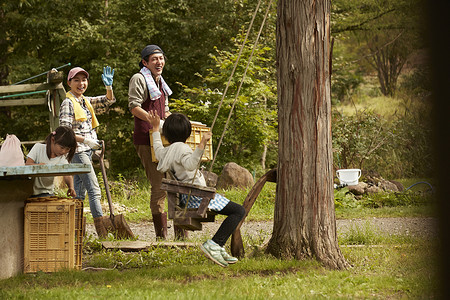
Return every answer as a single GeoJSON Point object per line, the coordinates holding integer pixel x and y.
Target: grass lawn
{"type": "Point", "coordinates": [397, 268]}
{"type": "Point", "coordinates": [383, 266]}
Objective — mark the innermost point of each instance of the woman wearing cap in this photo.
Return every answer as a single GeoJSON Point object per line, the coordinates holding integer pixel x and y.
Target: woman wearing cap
{"type": "Point", "coordinates": [78, 112]}
{"type": "Point", "coordinates": [148, 91]}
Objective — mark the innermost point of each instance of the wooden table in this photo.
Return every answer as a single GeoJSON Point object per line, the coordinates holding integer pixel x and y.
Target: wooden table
{"type": "Point", "coordinates": [16, 185]}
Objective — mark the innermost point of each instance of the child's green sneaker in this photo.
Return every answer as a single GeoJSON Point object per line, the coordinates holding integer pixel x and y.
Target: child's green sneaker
{"type": "Point", "coordinates": [227, 257]}
{"type": "Point", "coordinates": [213, 252]}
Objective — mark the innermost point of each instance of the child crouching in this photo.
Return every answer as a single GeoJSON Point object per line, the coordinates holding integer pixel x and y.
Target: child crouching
{"type": "Point", "coordinates": [59, 148]}
{"type": "Point", "coordinates": [179, 158]}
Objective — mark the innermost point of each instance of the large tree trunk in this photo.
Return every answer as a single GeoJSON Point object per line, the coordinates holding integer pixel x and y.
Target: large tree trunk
{"type": "Point", "coordinates": [305, 222]}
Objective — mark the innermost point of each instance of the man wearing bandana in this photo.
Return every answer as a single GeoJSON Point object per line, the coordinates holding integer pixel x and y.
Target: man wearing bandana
{"type": "Point", "coordinates": [148, 91]}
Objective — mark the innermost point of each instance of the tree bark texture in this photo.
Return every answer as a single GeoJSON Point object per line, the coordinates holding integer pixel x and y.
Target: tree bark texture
{"type": "Point", "coordinates": [304, 221]}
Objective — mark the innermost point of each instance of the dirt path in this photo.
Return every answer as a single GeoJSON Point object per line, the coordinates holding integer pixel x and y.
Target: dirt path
{"type": "Point", "coordinates": [423, 227]}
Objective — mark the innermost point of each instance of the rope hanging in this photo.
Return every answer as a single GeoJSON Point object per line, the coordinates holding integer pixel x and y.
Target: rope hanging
{"type": "Point", "coordinates": [35, 76]}
{"type": "Point", "coordinates": [235, 64]}
{"type": "Point", "coordinates": [240, 85]}
{"type": "Point", "coordinates": [237, 93]}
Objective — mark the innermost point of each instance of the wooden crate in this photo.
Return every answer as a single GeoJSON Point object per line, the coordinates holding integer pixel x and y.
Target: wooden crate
{"type": "Point", "coordinates": [196, 136]}
{"type": "Point", "coordinates": [80, 223]}
{"type": "Point", "coordinates": [53, 234]}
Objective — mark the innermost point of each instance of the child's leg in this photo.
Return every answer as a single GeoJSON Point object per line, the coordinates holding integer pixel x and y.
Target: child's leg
{"type": "Point", "coordinates": [214, 248]}
{"type": "Point", "coordinates": [235, 213]}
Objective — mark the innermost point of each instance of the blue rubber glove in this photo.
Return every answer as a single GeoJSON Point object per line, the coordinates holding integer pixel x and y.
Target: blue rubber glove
{"type": "Point", "coordinates": [107, 76]}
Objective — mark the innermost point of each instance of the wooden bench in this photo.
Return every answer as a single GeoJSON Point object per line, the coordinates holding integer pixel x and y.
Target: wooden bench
{"type": "Point", "coordinates": [237, 246]}
{"type": "Point", "coordinates": [191, 218]}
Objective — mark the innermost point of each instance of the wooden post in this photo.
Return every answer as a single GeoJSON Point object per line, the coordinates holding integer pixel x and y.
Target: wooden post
{"type": "Point", "coordinates": [54, 96]}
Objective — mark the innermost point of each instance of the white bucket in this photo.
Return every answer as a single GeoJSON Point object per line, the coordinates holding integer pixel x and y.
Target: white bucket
{"type": "Point", "coordinates": [348, 176]}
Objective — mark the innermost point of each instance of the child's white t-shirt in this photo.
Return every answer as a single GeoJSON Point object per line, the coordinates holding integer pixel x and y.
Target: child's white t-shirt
{"type": "Point", "coordinates": [39, 154]}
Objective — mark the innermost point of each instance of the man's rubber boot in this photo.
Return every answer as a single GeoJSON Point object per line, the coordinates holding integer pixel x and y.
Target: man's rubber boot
{"type": "Point", "coordinates": [160, 223]}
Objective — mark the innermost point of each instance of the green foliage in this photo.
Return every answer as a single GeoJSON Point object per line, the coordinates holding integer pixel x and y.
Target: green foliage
{"type": "Point", "coordinates": [416, 84]}
{"type": "Point", "coordinates": [33, 127]}
{"type": "Point", "coordinates": [132, 197]}
{"type": "Point", "coordinates": [346, 76]}
{"type": "Point", "coordinates": [387, 212]}
{"type": "Point", "coordinates": [253, 124]}
{"type": "Point", "coordinates": [407, 198]}
{"type": "Point", "coordinates": [357, 138]}
{"type": "Point", "coordinates": [344, 199]}
{"type": "Point", "coordinates": [383, 33]}
{"type": "Point", "coordinates": [91, 245]}
{"type": "Point", "coordinates": [39, 35]}
{"type": "Point", "coordinates": [418, 185]}
{"type": "Point", "coordinates": [410, 153]}
{"type": "Point", "coordinates": [154, 258]}
{"type": "Point", "coordinates": [397, 148]}
{"type": "Point", "coordinates": [356, 15]}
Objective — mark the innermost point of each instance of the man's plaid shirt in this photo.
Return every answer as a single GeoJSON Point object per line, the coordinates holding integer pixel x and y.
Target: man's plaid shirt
{"type": "Point", "coordinates": [84, 128]}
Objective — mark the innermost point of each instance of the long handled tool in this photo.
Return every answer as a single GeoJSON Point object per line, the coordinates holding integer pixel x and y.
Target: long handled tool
{"type": "Point", "coordinates": [115, 224]}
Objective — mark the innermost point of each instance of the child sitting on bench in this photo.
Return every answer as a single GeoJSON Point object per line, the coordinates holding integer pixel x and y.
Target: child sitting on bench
{"type": "Point", "coordinates": [179, 158]}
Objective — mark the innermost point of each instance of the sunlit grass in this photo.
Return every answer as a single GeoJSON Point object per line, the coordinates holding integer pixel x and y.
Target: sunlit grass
{"type": "Point", "coordinates": [264, 204]}
{"type": "Point", "coordinates": [135, 197]}
{"type": "Point", "coordinates": [383, 265]}
{"type": "Point", "coordinates": [378, 105]}
{"type": "Point", "coordinates": [386, 212]}
{"type": "Point", "coordinates": [417, 184]}
{"type": "Point", "coordinates": [388, 268]}
{"type": "Point", "coordinates": [370, 99]}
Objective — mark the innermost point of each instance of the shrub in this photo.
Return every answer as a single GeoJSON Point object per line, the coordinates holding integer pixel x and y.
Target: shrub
{"type": "Point", "coordinates": [417, 84]}
{"type": "Point", "coordinates": [357, 138]}
{"type": "Point", "coordinates": [407, 198]}
{"type": "Point", "coordinates": [395, 149]}
{"type": "Point", "coordinates": [344, 199]}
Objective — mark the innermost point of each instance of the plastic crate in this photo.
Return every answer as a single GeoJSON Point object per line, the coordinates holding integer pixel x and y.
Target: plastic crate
{"type": "Point", "coordinates": [53, 234]}
{"type": "Point", "coordinates": [196, 136]}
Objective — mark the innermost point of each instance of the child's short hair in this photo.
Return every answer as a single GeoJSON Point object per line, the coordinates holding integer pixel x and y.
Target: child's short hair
{"type": "Point", "coordinates": [64, 136]}
{"type": "Point", "coordinates": [177, 128]}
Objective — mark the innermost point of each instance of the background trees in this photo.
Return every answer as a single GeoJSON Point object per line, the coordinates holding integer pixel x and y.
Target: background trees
{"type": "Point", "coordinates": [40, 35]}
{"type": "Point", "coordinates": [383, 35]}
{"type": "Point", "coordinates": [201, 39]}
